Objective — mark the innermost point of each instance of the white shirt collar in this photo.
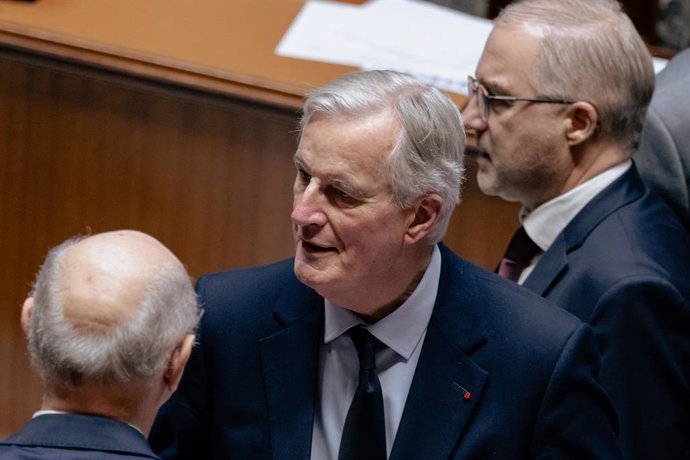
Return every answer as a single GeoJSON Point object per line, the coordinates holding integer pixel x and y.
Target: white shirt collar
{"type": "Point", "coordinates": [546, 222]}
{"type": "Point", "coordinates": [402, 329]}
{"type": "Point", "coordinates": [47, 412]}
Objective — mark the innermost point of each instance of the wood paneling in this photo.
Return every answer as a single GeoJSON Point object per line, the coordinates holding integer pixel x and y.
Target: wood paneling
{"type": "Point", "coordinates": [86, 152]}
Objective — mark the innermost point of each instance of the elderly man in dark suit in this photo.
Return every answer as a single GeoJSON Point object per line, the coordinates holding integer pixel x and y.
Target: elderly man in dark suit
{"type": "Point", "coordinates": [376, 341]}
{"type": "Point", "coordinates": [110, 327]}
{"type": "Point", "coordinates": [664, 154]}
{"type": "Point", "coordinates": [558, 104]}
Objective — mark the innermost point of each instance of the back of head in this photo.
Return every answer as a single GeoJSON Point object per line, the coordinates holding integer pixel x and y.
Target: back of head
{"type": "Point", "coordinates": [591, 52]}
{"type": "Point", "coordinates": [109, 309]}
{"type": "Point", "coordinates": [428, 156]}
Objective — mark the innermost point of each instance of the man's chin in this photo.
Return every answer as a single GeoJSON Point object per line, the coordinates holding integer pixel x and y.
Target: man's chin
{"type": "Point", "coordinates": [486, 183]}
{"type": "Point", "coordinates": [307, 273]}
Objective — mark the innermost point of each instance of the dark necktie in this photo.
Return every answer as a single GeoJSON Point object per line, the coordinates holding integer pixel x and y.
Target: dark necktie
{"type": "Point", "coordinates": [364, 434]}
{"type": "Point", "coordinates": [518, 256]}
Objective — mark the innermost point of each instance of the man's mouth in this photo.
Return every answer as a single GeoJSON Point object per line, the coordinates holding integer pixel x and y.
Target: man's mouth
{"type": "Point", "coordinates": [477, 154]}
{"type": "Point", "coordinates": [474, 152]}
{"type": "Point", "coordinates": [315, 248]}
{"type": "Point", "coordinates": [471, 151]}
{"type": "Point", "coordinates": [483, 154]}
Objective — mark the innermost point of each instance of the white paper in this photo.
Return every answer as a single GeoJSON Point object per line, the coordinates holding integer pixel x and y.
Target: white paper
{"type": "Point", "coordinates": [436, 44]}
{"type": "Point", "coordinates": [320, 32]}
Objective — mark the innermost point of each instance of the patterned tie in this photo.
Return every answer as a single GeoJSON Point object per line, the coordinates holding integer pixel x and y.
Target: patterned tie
{"type": "Point", "coordinates": [364, 434]}
{"type": "Point", "coordinates": [518, 256]}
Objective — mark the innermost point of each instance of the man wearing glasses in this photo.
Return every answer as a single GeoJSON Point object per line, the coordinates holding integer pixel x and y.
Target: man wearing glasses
{"type": "Point", "coordinates": [557, 105]}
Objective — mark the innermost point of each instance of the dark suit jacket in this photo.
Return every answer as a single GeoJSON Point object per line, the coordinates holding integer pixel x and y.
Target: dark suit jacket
{"type": "Point", "coordinates": [622, 266]}
{"type": "Point", "coordinates": [75, 437]}
{"type": "Point", "coordinates": [249, 390]}
{"type": "Point", "coordinates": [663, 157]}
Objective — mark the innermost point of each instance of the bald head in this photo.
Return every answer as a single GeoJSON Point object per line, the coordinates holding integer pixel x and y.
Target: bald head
{"type": "Point", "coordinates": [103, 278]}
{"type": "Point", "coordinates": [109, 307]}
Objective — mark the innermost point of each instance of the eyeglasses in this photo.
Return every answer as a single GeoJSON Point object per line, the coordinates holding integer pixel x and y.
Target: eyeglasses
{"type": "Point", "coordinates": [484, 98]}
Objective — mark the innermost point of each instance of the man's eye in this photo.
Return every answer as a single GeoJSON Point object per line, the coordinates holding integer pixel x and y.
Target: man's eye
{"type": "Point", "coordinates": [304, 176]}
{"type": "Point", "coordinates": [499, 104]}
{"type": "Point", "coordinates": [344, 197]}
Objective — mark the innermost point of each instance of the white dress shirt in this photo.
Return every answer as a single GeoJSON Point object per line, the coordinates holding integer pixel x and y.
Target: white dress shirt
{"type": "Point", "coordinates": [402, 332]}
{"type": "Point", "coordinates": [546, 222]}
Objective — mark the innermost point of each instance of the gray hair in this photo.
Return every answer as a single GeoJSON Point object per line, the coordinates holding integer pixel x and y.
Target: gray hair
{"type": "Point", "coordinates": [591, 52]}
{"type": "Point", "coordinates": [137, 348]}
{"type": "Point", "coordinates": [428, 155]}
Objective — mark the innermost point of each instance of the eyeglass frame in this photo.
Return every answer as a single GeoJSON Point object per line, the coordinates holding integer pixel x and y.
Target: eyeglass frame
{"type": "Point", "coordinates": [474, 86]}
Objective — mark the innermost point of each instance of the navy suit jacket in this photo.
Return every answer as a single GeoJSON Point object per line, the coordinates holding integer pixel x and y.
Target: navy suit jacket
{"type": "Point", "coordinates": [249, 389]}
{"type": "Point", "coordinates": [75, 437]}
{"type": "Point", "coordinates": [621, 265]}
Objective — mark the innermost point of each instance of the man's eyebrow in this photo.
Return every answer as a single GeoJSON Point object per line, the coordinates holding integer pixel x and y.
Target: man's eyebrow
{"type": "Point", "coordinates": [297, 160]}
{"type": "Point", "coordinates": [495, 88]}
{"type": "Point", "coordinates": [335, 181]}
{"type": "Point", "coordinates": [344, 184]}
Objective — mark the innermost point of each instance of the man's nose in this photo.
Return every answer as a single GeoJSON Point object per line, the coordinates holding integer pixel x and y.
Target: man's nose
{"type": "Point", "coordinates": [472, 116]}
{"type": "Point", "coordinates": [308, 207]}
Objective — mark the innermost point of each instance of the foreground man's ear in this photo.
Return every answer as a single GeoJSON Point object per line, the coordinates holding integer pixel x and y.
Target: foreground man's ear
{"type": "Point", "coordinates": [425, 214]}
{"type": "Point", "coordinates": [178, 360]}
{"type": "Point", "coordinates": [25, 320]}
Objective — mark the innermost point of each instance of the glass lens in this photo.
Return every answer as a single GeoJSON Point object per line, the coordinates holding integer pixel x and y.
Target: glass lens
{"type": "Point", "coordinates": [478, 91]}
{"type": "Point", "coordinates": [483, 102]}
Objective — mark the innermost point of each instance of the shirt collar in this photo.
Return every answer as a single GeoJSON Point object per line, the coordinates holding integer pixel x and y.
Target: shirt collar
{"type": "Point", "coordinates": [546, 222]}
{"type": "Point", "coordinates": [401, 330]}
{"type": "Point", "coordinates": [58, 412]}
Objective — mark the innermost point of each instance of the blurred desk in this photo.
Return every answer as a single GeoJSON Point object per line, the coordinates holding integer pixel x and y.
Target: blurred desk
{"type": "Point", "coordinates": [217, 45]}
{"type": "Point", "coordinates": [172, 117]}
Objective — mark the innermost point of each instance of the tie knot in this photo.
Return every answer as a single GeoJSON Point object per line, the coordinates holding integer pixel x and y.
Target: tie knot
{"type": "Point", "coordinates": [518, 256]}
{"type": "Point", "coordinates": [521, 248]}
{"type": "Point", "coordinates": [365, 343]}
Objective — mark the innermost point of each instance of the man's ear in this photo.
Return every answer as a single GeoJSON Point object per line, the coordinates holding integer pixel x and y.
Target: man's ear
{"type": "Point", "coordinates": [582, 122]}
{"type": "Point", "coordinates": [425, 214]}
{"type": "Point", "coordinates": [178, 360]}
{"type": "Point", "coordinates": [27, 310]}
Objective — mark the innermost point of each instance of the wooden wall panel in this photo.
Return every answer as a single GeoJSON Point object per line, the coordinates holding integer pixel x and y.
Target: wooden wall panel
{"type": "Point", "coordinates": [84, 150]}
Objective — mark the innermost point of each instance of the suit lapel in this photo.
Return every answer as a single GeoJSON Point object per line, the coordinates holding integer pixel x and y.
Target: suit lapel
{"type": "Point", "coordinates": [554, 262]}
{"type": "Point", "coordinates": [447, 384]}
{"type": "Point", "coordinates": [290, 364]}
{"type": "Point", "coordinates": [445, 390]}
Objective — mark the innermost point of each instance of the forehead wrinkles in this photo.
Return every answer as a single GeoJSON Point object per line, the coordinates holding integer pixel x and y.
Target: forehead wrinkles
{"type": "Point", "coordinates": [346, 150]}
